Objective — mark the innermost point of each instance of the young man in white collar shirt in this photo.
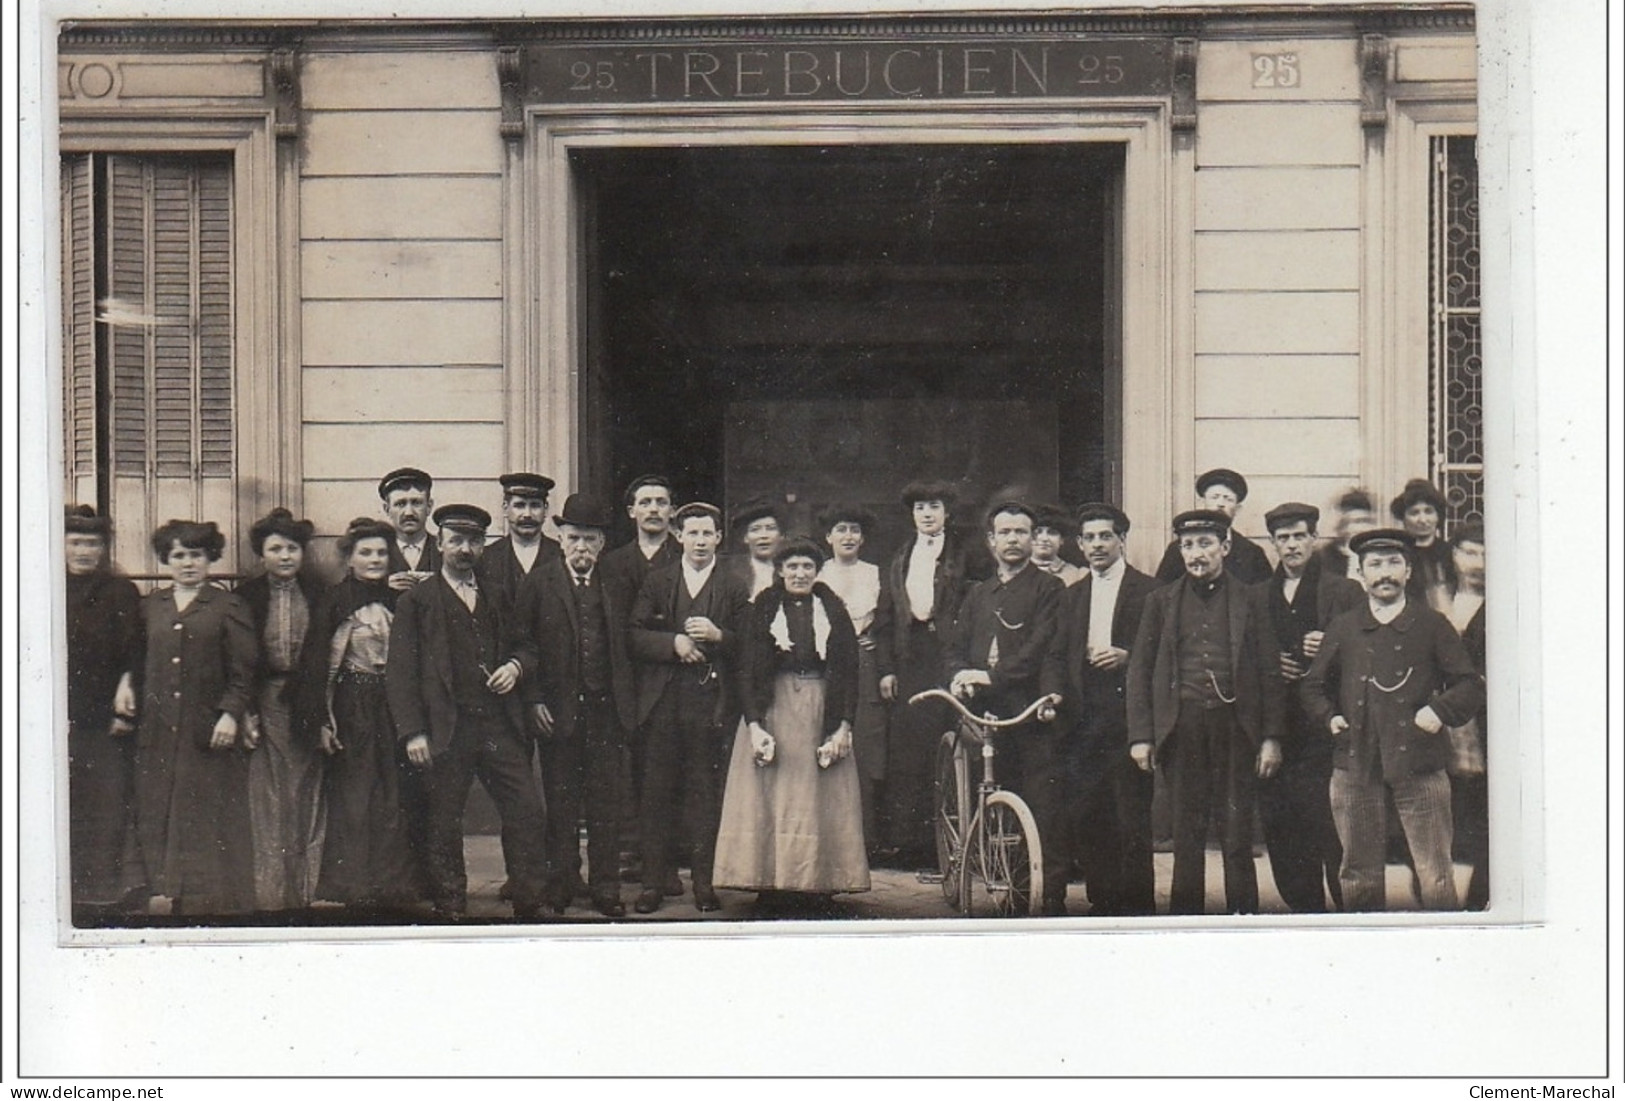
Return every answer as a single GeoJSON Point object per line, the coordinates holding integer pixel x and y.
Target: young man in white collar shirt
{"type": "Point", "coordinates": [1204, 706]}
{"type": "Point", "coordinates": [1096, 625]}
{"type": "Point", "coordinates": [1293, 804]}
{"type": "Point", "coordinates": [1389, 677]}
{"type": "Point", "coordinates": [927, 579]}
{"type": "Point", "coordinates": [683, 640]}
{"type": "Point", "coordinates": [454, 665]}
{"type": "Point", "coordinates": [995, 658]}
{"type": "Point", "coordinates": [507, 561]}
{"type": "Point", "coordinates": [408, 499]}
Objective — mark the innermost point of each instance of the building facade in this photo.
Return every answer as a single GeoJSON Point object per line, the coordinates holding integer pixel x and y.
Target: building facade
{"type": "Point", "coordinates": [1077, 256]}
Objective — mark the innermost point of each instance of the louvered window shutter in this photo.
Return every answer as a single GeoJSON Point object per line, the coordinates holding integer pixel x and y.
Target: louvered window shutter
{"type": "Point", "coordinates": [156, 245]}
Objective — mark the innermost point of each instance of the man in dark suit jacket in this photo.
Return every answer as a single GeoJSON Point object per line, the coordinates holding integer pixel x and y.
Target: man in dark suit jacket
{"type": "Point", "coordinates": [927, 578]}
{"type": "Point", "coordinates": [507, 561]}
{"type": "Point", "coordinates": [1098, 620]}
{"type": "Point", "coordinates": [582, 698]}
{"type": "Point", "coordinates": [1389, 678]}
{"type": "Point", "coordinates": [451, 679]}
{"type": "Point", "coordinates": [1223, 491]}
{"type": "Point", "coordinates": [1294, 804]}
{"type": "Point", "coordinates": [408, 499]}
{"type": "Point", "coordinates": [1204, 705]}
{"type": "Point", "coordinates": [995, 655]}
{"type": "Point", "coordinates": [684, 639]}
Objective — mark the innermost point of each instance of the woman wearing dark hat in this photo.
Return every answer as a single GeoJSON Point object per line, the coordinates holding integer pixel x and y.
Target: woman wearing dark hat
{"type": "Point", "coordinates": [285, 771]}
{"type": "Point", "coordinates": [862, 590]}
{"type": "Point", "coordinates": [792, 820]}
{"type": "Point", "coordinates": [104, 655]}
{"type": "Point", "coordinates": [1420, 507]}
{"type": "Point", "coordinates": [191, 774]}
{"type": "Point", "coordinates": [367, 857]}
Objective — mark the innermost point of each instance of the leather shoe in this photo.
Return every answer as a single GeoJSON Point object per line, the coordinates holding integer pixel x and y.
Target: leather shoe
{"type": "Point", "coordinates": [649, 901]}
{"type": "Point", "coordinates": [610, 906]}
{"type": "Point", "coordinates": [705, 899]}
{"type": "Point", "coordinates": [673, 887]}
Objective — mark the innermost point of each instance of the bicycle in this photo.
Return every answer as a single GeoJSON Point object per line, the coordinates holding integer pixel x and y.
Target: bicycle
{"type": "Point", "coordinates": [992, 840]}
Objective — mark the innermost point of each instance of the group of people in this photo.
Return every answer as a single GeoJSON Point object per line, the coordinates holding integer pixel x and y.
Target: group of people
{"type": "Point", "coordinates": [289, 746]}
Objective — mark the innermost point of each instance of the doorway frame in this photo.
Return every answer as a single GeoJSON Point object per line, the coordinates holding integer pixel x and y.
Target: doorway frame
{"type": "Point", "coordinates": [1150, 395]}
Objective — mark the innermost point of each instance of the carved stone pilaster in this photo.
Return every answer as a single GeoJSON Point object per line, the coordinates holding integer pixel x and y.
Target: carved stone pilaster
{"type": "Point", "coordinates": [1183, 115]}
{"type": "Point", "coordinates": [1373, 81]}
{"type": "Point", "coordinates": [285, 90]}
{"type": "Point", "coordinates": [510, 76]}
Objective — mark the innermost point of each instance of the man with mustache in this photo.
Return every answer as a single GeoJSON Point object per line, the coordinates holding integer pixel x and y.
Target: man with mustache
{"type": "Point", "coordinates": [453, 667]}
{"type": "Point", "coordinates": [1388, 679]}
{"type": "Point", "coordinates": [408, 499]}
{"type": "Point", "coordinates": [509, 560]}
{"type": "Point", "coordinates": [1204, 706]}
{"type": "Point", "coordinates": [1221, 490]}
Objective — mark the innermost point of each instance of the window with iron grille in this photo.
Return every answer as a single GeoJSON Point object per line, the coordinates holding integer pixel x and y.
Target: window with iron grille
{"type": "Point", "coordinates": [148, 337]}
{"type": "Point", "coordinates": [1455, 346]}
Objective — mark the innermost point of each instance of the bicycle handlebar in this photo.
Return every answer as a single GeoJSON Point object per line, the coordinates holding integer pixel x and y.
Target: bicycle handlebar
{"type": "Point", "coordinates": [988, 722]}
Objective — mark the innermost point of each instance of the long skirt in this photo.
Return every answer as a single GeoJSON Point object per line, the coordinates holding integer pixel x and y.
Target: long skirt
{"type": "Point", "coordinates": [192, 821]}
{"type": "Point", "coordinates": [790, 825]}
{"type": "Point", "coordinates": [367, 858]}
{"type": "Point", "coordinates": [286, 807]}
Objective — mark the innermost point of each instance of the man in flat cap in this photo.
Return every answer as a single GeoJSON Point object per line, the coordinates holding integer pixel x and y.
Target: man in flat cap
{"type": "Point", "coordinates": [1221, 490]}
{"type": "Point", "coordinates": [995, 657]}
{"type": "Point", "coordinates": [1294, 804]}
{"type": "Point", "coordinates": [1204, 705]}
{"type": "Point", "coordinates": [927, 578]}
{"type": "Point", "coordinates": [1389, 678]}
{"type": "Point", "coordinates": [453, 669]}
{"type": "Point", "coordinates": [1051, 529]}
{"type": "Point", "coordinates": [582, 698]}
{"type": "Point", "coordinates": [684, 638]}
{"type": "Point", "coordinates": [1098, 620]}
{"type": "Point", "coordinates": [408, 499]}
{"type": "Point", "coordinates": [507, 561]}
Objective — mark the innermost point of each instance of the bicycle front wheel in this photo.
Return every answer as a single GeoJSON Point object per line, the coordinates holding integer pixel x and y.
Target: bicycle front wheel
{"type": "Point", "coordinates": [1012, 860]}
{"type": "Point", "coordinates": [952, 815]}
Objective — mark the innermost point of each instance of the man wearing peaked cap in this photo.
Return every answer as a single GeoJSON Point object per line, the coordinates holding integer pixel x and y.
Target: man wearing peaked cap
{"type": "Point", "coordinates": [508, 560]}
{"type": "Point", "coordinates": [1221, 490]}
{"type": "Point", "coordinates": [455, 665]}
{"type": "Point", "coordinates": [582, 700]}
{"type": "Point", "coordinates": [1303, 598]}
{"type": "Point", "coordinates": [408, 499]}
{"type": "Point", "coordinates": [1204, 706]}
{"type": "Point", "coordinates": [1390, 676]}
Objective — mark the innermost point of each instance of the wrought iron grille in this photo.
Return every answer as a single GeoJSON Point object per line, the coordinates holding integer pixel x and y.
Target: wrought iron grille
{"type": "Point", "coordinates": [1455, 346]}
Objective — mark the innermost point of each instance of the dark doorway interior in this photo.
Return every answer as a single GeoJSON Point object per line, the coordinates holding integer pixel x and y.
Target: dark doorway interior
{"type": "Point", "coordinates": [815, 323]}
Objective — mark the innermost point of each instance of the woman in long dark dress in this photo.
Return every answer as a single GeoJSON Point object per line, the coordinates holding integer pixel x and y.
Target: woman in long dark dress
{"type": "Point", "coordinates": [792, 815]}
{"type": "Point", "coordinates": [191, 772]}
{"type": "Point", "coordinates": [367, 859]}
{"type": "Point", "coordinates": [104, 656]}
{"type": "Point", "coordinates": [285, 769]}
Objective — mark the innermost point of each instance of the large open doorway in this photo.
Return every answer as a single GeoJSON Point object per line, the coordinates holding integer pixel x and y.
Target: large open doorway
{"type": "Point", "coordinates": [815, 323]}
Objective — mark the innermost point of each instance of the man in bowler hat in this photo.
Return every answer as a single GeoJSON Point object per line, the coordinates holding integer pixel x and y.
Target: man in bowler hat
{"type": "Point", "coordinates": [581, 699]}
{"type": "Point", "coordinates": [451, 680]}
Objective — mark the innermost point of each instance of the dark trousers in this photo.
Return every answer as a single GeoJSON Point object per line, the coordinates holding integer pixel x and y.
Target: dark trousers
{"type": "Point", "coordinates": [1469, 799]}
{"type": "Point", "coordinates": [908, 805]}
{"type": "Point", "coordinates": [1032, 762]}
{"type": "Point", "coordinates": [1209, 763]}
{"type": "Point", "coordinates": [682, 777]}
{"type": "Point", "coordinates": [489, 748]}
{"type": "Point", "coordinates": [1134, 787]}
{"type": "Point", "coordinates": [101, 839]}
{"type": "Point", "coordinates": [1295, 805]}
{"type": "Point", "coordinates": [579, 775]}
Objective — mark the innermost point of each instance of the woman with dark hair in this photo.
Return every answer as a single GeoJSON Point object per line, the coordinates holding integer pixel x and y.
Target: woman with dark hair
{"type": "Point", "coordinates": [191, 776]}
{"type": "Point", "coordinates": [1420, 508]}
{"type": "Point", "coordinates": [104, 654]}
{"type": "Point", "coordinates": [792, 819]}
{"type": "Point", "coordinates": [367, 859]}
{"type": "Point", "coordinates": [285, 770]}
